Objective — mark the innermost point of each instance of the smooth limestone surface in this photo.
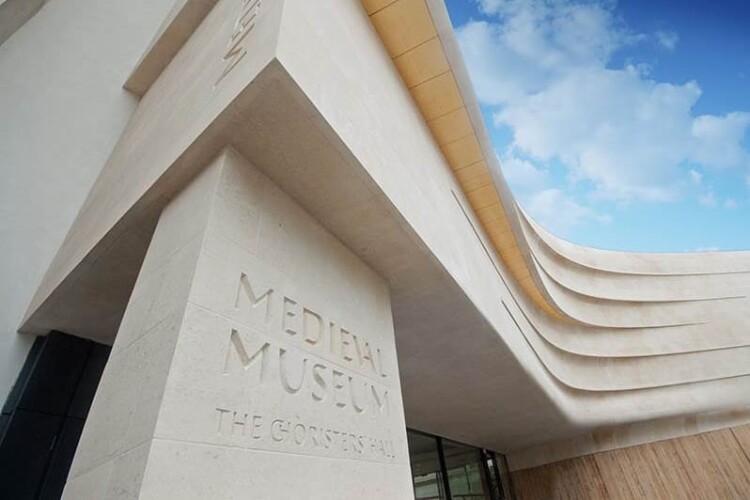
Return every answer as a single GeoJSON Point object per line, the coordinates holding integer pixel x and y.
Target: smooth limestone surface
{"type": "Point", "coordinates": [256, 357]}
{"type": "Point", "coordinates": [308, 93]}
{"type": "Point", "coordinates": [62, 109]}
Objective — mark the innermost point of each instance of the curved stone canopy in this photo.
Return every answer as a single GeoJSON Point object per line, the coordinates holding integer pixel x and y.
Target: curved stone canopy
{"type": "Point", "coordinates": [652, 330]}
{"type": "Point", "coordinates": [508, 337]}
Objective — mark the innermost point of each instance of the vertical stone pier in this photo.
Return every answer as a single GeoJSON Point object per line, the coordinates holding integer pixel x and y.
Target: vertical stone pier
{"type": "Point", "coordinates": [256, 359]}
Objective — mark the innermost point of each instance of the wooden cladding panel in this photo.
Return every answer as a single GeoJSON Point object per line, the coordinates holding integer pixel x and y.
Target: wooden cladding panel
{"type": "Point", "coordinates": [572, 479]}
{"type": "Point", "coordinates": [372, 6]}
{"type": "Point", "coordinates": [474, 176]}
{"type": "Point", "coordinates": [463, 152]}
{"type": "Point", "coordinates": [403, 25]}
{"type": "Point", "coordinates": [451, 126]}
{"type": "Point", "coordinates": [437, 96]}
{"type": "Point", "coordinates": [742, 434]}
{"type": "Point", "coordinates": [422, 63]}
{"type": "Point", "coordinates": [710, 465]}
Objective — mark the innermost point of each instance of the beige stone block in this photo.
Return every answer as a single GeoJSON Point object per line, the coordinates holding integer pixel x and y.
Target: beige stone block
{"type": "Point", "coordinates": [181, 22]}
{"type": "Point", "coordinates": [90, 485]}
{"type": "Point", "coordinates": [238, 285]}
{"type": "Point", "coordinates": [128, 469]}
{"type": "Point", "coordinates": [243, 387]}
{"type": "Point", "coordinates": [237, 201]}
{"type": "Point", "coordinates": [266, 335]}
{"type": "Point", "coordinates": [170, 118]}
{"type": "Point", "coordinates": [138, 309]}
{"type": "Point", "coordinates": [174, 284]}
{"type": "Point", "coordinates": [125, 408]}
{"type": "Point", "coordinates": [238, 473]}
{"type": "Point", "coordinates": [120, 478]}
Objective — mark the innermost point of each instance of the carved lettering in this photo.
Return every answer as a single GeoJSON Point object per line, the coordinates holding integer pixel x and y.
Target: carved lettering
{"type": "Point", "coordinates": [251, 429]}
{"type": "Point", "coordinates": [283, 373]}
{"type": "Point", "coordinates": [257, 427]}
{"type": "Point", "coordinates": [380, 363]}
{"type": "Point", "coordinates": [221, 411]}
{"type": "Point", "coordinates": [238, 423]}
{"type": "Point", "coordinates": [337, 387]}
{"type": "Point", "coordinates": [357, 407]}
{"type": "Point", "coordinates": [331, 336]}
{"type": "Point", "coordinates": [300, 434]}
{"type": "Point", "coordinates": [236, 345]}
{"type": "Point", "coordinates": [288, 315]}
{"type": "Point", "coordinates": [291, 371]}
{"type": "Point", "coordinates": [312, 326]}
{"type": "Point", "coordinates": [314, 435]}
{"type": "Point", "coordinates": [246, 290]}
{"type": "Point", "coordinates": [319, 391]}
{"type": "Point", "coordinates": [236, 50]}
{"type": "Point", "coordinates": [346, 344]}
{"type": "Point", "coordinates": [279, 429]}
{"type": "Point", "coordinates": [380, 399]}
{"type": "Point", "coordinates": [364, 352]}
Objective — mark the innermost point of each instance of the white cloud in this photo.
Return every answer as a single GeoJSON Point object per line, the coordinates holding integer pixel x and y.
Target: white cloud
{"type": "Point", "coordinates": [533, 42]}
{"type": "Point", "coordinates": [545, 67]}
{"type": "Point", "coordinates": [608, 127]}
{"type": "Point", "coordinates": [558, 213]}
{"type": "Point", "coordinates": [523, 175]}
{"type": "Point", "coordinates": [707, 199]}
{"type": "Point", "coordinates": [667, 39]}
{"type": "Point", "coordinates": [718, 140]}
{"type": "Point", "coordinates": [695, 177]}
{"type": "Point", "coordinates": [549, 206]}
{"type": "Point", "coordinates": [730, 203]}
{"type": "Point", "coordinates": [626, 134]}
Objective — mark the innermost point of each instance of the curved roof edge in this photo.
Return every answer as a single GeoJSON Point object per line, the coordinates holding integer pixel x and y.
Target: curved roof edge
{"type": "Point", "coordinates": [420, 38]}
{"type": "Point", "coordinates": [624, 329]}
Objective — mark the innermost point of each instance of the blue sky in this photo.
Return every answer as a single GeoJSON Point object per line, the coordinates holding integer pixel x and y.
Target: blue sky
{"type": "Point", "coordinates": [622, 125]}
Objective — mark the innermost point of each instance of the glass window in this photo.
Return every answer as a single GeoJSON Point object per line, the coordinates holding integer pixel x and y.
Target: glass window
{"type": "Point", "coordinates": [466, 472]}
{"type": "Point", "coordinates": [446, 470]}
{"type": "Point", "coordinates": [495, 467]}
{"type": "Point", "coordinates": [502, 467]}
{"type": "Point", "coordinates": [425, 467]}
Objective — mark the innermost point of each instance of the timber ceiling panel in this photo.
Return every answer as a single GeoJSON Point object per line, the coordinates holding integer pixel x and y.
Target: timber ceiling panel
{"type": "Point", "coordinates": [411, 39]}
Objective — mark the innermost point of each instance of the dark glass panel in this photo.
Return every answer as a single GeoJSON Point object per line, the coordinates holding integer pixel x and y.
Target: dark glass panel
{"type": "Point", "coordinates": [492, 471]}
{"type": "Point", "coordinates": [425, 467]}
{"type": "Point", "coordinates": [466, 472]}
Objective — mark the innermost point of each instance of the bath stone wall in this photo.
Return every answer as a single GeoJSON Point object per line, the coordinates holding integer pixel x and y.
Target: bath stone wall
{"type": "Point", "coordinates": [256, 357]}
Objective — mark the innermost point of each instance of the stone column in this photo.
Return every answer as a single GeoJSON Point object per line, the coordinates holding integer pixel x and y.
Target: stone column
{"type": "Point", "coordinates": [256, 359]}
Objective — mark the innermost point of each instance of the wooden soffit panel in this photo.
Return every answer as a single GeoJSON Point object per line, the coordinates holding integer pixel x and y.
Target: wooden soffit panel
{"type": "Point", "coordinates": [411, 38]}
